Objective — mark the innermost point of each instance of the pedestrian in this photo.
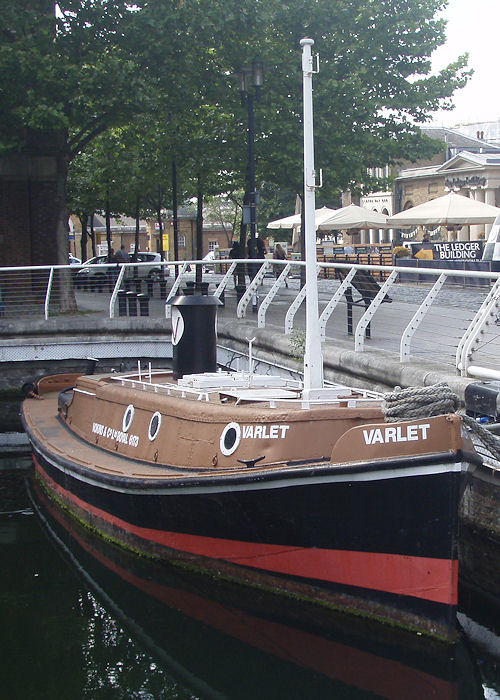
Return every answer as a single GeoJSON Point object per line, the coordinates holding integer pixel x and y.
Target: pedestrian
{"type": "Point", "coordinates": [256, 251]}
{"type": "Point", "coordinates": [235, 254]}
{"type": "Point", "coordinates": [426, 249]}
{"type": "Point", "coordinates": [279, 254]}
{"type": "Point", "coordinates": [122, 256]}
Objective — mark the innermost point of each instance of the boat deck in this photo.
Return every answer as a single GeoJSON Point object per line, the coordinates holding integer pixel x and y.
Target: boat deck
{"type": "Point", "coordinates": [54, 436]}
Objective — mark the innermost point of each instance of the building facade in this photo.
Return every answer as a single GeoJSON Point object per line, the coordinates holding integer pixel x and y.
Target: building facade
{"type": "Point", "coordinates": [468, 164]}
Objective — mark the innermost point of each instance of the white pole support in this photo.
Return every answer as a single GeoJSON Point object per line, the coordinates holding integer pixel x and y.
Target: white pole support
{"type": "Point", "coordinates": [313, 359]}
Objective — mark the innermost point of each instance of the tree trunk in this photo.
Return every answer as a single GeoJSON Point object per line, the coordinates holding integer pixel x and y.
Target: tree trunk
{"type": "Point", "coordinates": [174, 215]}
{"type": "Point", "coordinates": [160, 225]}
{"type": "Point", "coordinates": [92, 235]}
{"type": "Point", "coordinates": [63, 291]}
{"type": "Point", "coordinates": [108, 227]}
{"type": "Point", "coordinates": [137, 227]}
{"type": "Point", "coordinates": [84, 220]}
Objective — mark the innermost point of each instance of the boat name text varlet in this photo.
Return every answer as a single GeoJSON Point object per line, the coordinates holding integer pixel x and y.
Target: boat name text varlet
{"type": "Point", "coordinates": [264, 431]}
{"type": "Point", "coordinates": [396, 434]}
{"type": "Point", "coordinates": [114, 434]}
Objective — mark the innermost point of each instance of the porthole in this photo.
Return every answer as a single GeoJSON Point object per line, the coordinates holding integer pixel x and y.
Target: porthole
{"type": "Point", "coordinates": [154, 425]}
{"type": "Point", "coordinates": [128, 417]}
{"type": "Point", "coordinates": [230, 439]}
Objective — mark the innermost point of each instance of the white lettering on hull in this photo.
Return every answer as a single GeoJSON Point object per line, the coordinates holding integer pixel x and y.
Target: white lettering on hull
{"type": "Point", "coordinates": [264, 432]}
{"type": "Point", "coordinates": [397, 433]}
{"type": "Point", "coordinates": [115, 435]}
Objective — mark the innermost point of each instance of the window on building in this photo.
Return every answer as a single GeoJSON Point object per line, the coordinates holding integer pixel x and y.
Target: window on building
{"type": "Point", "coordinates": [212, 245]}
{"type": "Point", "coordinates": [182, 240]}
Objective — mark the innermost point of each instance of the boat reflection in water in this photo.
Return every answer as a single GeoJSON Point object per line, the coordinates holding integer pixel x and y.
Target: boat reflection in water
{"type": "Point", "coordinates": [221, 640]}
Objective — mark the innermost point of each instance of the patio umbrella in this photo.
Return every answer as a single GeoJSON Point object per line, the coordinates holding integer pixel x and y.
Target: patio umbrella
{"type": "Point", "coordinates": [450, 210]}
{"type": "Point", "coordinates": [291, 221]}
{"type": "Point", "coordinates": [353, 216]}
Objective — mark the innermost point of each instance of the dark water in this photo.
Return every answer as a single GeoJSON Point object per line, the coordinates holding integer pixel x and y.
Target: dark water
{"type": "Point", "coordinates": [83, 619]}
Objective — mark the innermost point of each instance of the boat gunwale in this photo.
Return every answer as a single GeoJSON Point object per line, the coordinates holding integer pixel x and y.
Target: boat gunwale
{"type": "Point", "coordinates": [240, 475]}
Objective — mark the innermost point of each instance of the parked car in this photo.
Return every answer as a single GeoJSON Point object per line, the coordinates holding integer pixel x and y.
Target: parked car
{"type": "Point", "coordinates": [92, 271]}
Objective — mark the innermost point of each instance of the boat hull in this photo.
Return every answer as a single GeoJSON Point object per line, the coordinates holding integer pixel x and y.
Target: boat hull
{"type": "Point", "coordinates": [321, 533]}
{"type": "Point", "coordinates": [269, 647]}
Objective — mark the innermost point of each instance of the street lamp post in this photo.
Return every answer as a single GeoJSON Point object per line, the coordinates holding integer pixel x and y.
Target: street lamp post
{"type": "Point", "coordinates": [250, 77]}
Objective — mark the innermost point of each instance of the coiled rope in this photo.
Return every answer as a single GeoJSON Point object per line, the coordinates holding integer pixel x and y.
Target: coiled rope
{"type": "Point", "coordinates": [422, 402]}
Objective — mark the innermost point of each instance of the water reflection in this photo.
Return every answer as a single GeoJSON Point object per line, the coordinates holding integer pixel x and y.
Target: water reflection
{"type": "Point", "coordinates": [110, 625]}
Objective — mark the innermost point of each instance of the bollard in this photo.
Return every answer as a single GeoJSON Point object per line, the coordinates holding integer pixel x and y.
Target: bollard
{"type": "Point", "coordinates": [122, 302]}
{"type": "Point", "coordinates": [194, 338]}
{"type": "Point", "coordinates": [143, 300]}
{"type": "Point", "coordinates": [137, 285]}
{"type": "Point", "coordinates": [150, 288]}
{"type": "Point", "coordinates": [163, 290]}
{"type": "Point", "coordinates": [131, 303]}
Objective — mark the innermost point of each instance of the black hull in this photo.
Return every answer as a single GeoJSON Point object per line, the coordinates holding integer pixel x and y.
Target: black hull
{"type": "Point", "coordinates": [325, 537]}
{"type": "Point", "coordinates": [218, 638]}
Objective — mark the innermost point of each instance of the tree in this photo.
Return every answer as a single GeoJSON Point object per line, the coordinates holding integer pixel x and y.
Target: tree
{"type": "Point", "coordinates": [373, 89]}
{"type": "Point", "coordinates": [102, 64]}
{"type": "Point", "coordinates": [68, 77]}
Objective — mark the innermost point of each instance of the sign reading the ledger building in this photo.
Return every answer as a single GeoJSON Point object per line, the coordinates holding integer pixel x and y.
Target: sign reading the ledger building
{"type": "Point", "coordinates": [458, 250]}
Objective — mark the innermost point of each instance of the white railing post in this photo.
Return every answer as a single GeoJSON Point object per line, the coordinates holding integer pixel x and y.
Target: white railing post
{"type": "Point", "coordinates": [418, 317]}
{"type": "Point", "coordinates": [223, 283]}
{"type": "Point", "coordinates": [261, 317]}
{"type": "Point", "coordinates": [461, 354]}
{"type": "Point", "coordinates": [330, 307]}
{"type": "Point", "coordinates": [173, 291]}
{"type": "Point", "coordinates": [295, 306]}
{"type": "Point", "coordinates": [252, 287]}
{"type": "Point", "coordinates": [115, 290]}
{"type": "Point", "coordinates": [47, 293]}
{"type": "Point", "coordinates": [359, 336]}
{"type": "Point", "coordinates": [489, 313]}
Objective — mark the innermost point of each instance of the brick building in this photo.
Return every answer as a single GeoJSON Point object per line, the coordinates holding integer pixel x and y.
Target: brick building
{"type": "Point", "coordinates": [123, 233]}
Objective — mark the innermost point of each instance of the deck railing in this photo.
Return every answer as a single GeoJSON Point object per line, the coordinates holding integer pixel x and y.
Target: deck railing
{"type": "Point", "coordinates": [432, 314]}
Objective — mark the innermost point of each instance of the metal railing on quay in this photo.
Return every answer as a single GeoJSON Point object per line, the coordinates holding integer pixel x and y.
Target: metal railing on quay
{"type": "Point", "coordinates": [419, 313]}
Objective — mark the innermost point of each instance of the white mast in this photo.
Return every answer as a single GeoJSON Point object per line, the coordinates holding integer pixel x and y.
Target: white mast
{"type": "Point", "coordinates": [313, 358]}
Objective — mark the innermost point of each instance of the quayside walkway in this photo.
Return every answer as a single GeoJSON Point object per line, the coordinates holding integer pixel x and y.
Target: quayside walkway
{"type": "Point", "coordinates": [381, 326]}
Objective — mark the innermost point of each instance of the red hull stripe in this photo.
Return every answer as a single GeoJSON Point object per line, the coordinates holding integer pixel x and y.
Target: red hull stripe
{"type": "Point", "coordinates": [385, 677]}
{"type": "Point", "coordinates": [418, 577]}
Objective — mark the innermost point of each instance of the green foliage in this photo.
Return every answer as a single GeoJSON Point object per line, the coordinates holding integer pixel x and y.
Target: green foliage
{"type": "Point", "coordinates": [156, 82]}
{"type": "Point", "coordinates": [298, 344]}
{"type": "Point", "coordinates": [400, 251]}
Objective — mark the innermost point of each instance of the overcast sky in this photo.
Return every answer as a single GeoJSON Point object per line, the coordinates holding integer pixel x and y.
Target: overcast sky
{"type": "Point", "coordinates": [473, 26]}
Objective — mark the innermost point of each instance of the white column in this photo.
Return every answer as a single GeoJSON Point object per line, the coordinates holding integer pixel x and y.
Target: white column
{"type": "Point", "coordinates": [373, 236]}
{"type": "Point", "coordinates": [464, 234]}
{"type": "Point", "coordinates": [489, 198]}
{"type": "Point", "coordinates": [478, 195]}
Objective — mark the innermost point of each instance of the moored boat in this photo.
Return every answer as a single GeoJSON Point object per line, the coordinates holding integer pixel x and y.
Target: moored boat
{"type": "Point", "coordinates": [223, 640]}
{"type": "Point", "coordinates": [296, 487]}
{"type": "Point", "coordinates": [321, 500]}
